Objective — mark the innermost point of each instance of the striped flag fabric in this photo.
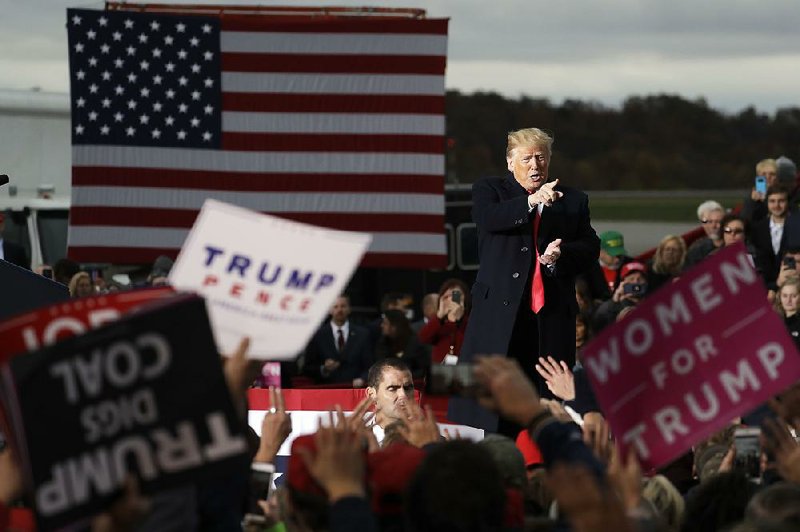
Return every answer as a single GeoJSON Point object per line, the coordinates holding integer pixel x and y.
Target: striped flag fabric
{"type": "Point", "coordinates": [310, 407]}
{"type": "Point", "coordinates": [332, 121]}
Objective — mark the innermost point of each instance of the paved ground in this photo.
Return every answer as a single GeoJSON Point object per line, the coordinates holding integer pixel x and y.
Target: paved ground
{"type": "Point", "coordinates": [641, 236]}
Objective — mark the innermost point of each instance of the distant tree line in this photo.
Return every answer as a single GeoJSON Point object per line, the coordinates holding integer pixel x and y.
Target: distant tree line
{"type": "Point", "coordinates": [651, 142]}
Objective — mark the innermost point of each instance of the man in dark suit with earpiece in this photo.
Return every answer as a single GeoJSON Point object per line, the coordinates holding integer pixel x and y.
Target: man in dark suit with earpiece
{"type": "Point", "coordinates": [340, 352]}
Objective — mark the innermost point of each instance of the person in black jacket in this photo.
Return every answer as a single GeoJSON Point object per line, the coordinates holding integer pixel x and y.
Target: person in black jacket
{"type": "Point", "coordinates": [534, 237]}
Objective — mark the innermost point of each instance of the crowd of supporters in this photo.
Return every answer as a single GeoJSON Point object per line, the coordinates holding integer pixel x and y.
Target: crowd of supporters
{"type": "Point", "coordinates": [388, 466]}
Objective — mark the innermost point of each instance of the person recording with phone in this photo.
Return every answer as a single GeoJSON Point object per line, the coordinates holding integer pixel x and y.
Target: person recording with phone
{"type": "Point", "coordinates": [445, 332]}
{"type": "Point", "coordinates": [631, 290]}
{"type": "Point", "coordinates": [755, 207]}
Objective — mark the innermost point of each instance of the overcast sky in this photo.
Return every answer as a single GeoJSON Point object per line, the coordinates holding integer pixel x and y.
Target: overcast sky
{"type": "Point", "coordinates": [734, 53]}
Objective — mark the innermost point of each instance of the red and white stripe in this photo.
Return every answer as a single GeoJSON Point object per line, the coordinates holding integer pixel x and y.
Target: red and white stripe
{"type": "Point", "coordinates": [334, 122]}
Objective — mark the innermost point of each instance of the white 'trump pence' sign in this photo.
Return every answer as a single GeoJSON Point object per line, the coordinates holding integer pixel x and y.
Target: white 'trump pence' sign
{"type": "Point", "coordinates": [264, 277]}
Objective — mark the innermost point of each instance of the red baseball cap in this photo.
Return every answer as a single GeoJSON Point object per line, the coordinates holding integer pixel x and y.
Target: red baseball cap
{"type": "Point", "coordinates": [632, 267]}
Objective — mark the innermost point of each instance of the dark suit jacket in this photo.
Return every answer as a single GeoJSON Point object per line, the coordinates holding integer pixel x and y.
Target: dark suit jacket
{"type": "Point", "coordinates": [355, 359]}
{"type": "Point", "coordinates": [767, 262]}
{"type": "Point", "coordinates": [505, 246]}
{"type": "Point", "coordinates": [15, 254]}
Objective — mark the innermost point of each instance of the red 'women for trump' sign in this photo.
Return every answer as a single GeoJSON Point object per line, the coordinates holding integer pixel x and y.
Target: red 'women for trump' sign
{"type": "Point", "coordinates": [690, 358]}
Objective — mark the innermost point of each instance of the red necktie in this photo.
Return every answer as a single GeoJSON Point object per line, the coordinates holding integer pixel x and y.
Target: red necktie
{"type": "Point", "coordinates": [537, 286]}
{"type": "Point", "coordinates": [340, 341]}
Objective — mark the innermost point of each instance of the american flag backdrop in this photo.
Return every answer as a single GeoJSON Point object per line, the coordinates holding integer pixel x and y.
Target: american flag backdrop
{"type": "Point", "coordinates": [333, 121]}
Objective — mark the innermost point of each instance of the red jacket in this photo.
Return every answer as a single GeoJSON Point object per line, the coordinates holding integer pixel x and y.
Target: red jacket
{"type": "Point", "coordinates": [441, 334]}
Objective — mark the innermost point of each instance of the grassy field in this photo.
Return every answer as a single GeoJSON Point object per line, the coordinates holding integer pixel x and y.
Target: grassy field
{"type": "Point", "coordinates": [667, 206]}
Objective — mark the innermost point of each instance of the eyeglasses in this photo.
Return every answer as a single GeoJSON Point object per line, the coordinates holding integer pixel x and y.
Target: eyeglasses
{"type": "Point", "coordinates": [730, 231]}
{"type": "Point", "coordinates": [715, 222]}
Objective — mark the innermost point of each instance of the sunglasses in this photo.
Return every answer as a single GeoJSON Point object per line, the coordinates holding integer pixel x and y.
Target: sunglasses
{"type": "Point", "coordinates": [704, 222]}
{"type": "Point", "coordinates": [733, 231]}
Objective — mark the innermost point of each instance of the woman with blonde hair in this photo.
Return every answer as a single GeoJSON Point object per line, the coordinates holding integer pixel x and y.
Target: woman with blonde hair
{"type": "Point", "coordinates": [787, 302]}
{"type": "Point", "coordinates": [667, 262]}
{"type": "Point", "coordinates": [81, 285]}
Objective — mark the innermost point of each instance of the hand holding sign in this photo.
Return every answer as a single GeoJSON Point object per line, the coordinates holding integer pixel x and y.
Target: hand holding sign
{"type": "Point", "coordinates": [262, 276]}
{"type": "Point", "coordinates": [696, 353]}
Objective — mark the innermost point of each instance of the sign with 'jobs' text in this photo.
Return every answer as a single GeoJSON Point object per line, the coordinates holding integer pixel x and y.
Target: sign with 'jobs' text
{"type": "Point", "coordinates": [691, 357]}
{"type": "Point", "coordinates": [264, 277]}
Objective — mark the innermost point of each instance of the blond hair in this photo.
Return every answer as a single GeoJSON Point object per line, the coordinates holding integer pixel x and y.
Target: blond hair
{"type": "Point", "coordinates": [73, 283]}
{"type": "Point", "coordinates": [658, 257]}
{"type": "Point", "coordinates": [790, 281]}
{"type": "Point", "coordinates": [764, 163]}
{"type": "Point", "coordinates": [524, 138]}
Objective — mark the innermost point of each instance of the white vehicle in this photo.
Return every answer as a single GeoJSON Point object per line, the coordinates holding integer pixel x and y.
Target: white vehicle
{"type": "Point", "coordinates": [35, 153]}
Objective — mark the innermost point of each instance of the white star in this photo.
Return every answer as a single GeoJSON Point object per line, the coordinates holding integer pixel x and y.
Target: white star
{"type": "Point", "coordinates": [144, 65]}
{"type": "Point", "coordinates": [194, 41]}
{"type": "Point", "coordinates": [208, 82]}
{"type": "Point", "coordinates": [119, 90]}
{"type": "Point", "coordinates": [92, 116]}
{"type": "Point", "coordinates": [131, 104]}
{"type": "Point", "coordinates": [93, 88]}
{"type": "Point", "coordinates": [208, 109]}
{"type": "Point", "coordinates": [168, 39]}
{"type": "Point", "coordinates": [76, 20]}
{"type": "Point", "coordinates": [91, 34]}
{"type": "Point", "coordinates": [154, 25]}
{"type": "Point", "coordinates": [145, 92]}
{"type": "Point", "coordinates": [144, 119]}
{"type": "Point", "coordinates": [170, 94]}
{"type": "Point", "coordinates": [182, 81]}
{"type": "Point", "coordinates": [80, 74]}
{"type": "Point", "coordinates": [157, 107]}
{"type": "Point", "coordinates": [170, 67]}
{"type": "Point", "coordinates": [156, 52]}
{"type": "Point", "coordinates": [116, 36]}
{"type": "Point", "coordinates": [131, 50]}
{"type": "Point", "coordinates": [142, 38]}
{"type": "Point", "coordinates": [182, 54]}
{"type": "Point", "coordinates": [128, 23]}
{"type": "Point", "coordinates": [195, 95]}
{"type": "Point", "coordinates": [92, 61]}
{"type": "Point", "coordinates": [118, 116]}
{"type": "Point", "coordinates": [103, 21]}
{"type": "Point", "coordinates": [182, 108]}
{"type": "Point", "coordinates": [156, 133]}
{"type": "Point", "coordinates": [180, 27]}
{"type": "Point", "coordinates": [195, 68]}
{"type": "Point", "coordinates": [206, 136]}
{"type": "Point", "coordinates": [106, 75]}
{"type": "Point", "coordinates": [206, 28]}
{"type": "Point", "coordinates": [118, 62]}
{"type": "Point", "coordinates": [80, 102]}
{"type": "Point", "coordinates": [130, 131]}
{"type": "Point", "coordinates": [195, 121]}
{"type": "Point", "coordinates": [79, 129]}
{"type": "Point", "coordinates": [208, 55]}
{"type": "Point", "coordinates": [106, 103]}
{"type": "Point", "coordinates": [181, 134]}
{"type": "Point", "coordinates": [132, 78]}
{"type": "Point", "coordinates": [156, 80]}
{"type": "Point", "coordinates": [104, 130]}
{"type": "Point", "coordinates": [104, 48]}
{"type": "Point", "coordinates": [169, 120]}
{"type": "Point", "coordinates": [79, 47]}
